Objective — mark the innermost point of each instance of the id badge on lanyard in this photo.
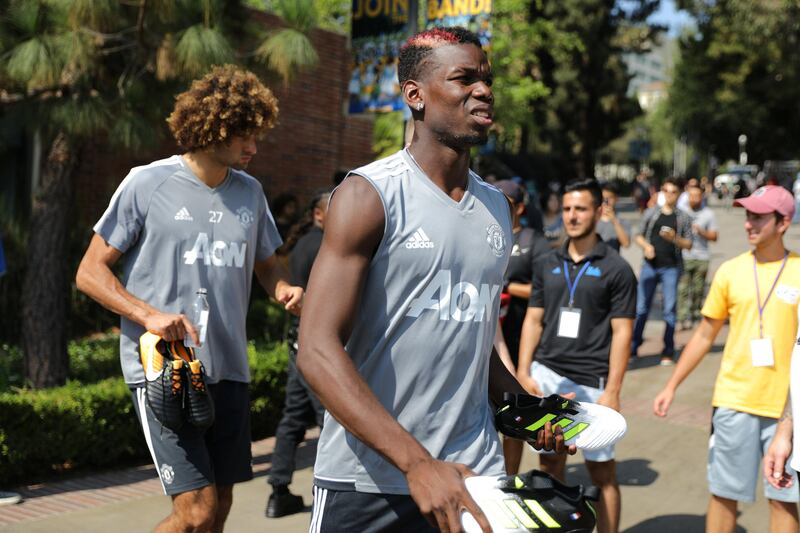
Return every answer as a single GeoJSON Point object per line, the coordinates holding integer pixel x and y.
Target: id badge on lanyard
{"type": "Point", "coordinates": [569, 318]}
{"type": "Point", "coordinates": [569, 322]}
{"type": "Point", "coordinates": [761, 353]}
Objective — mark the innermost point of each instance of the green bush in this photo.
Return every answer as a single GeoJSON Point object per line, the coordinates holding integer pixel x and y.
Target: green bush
{"type": "Point", "coordinates": [94, 359]}
{"type": "Point", "coordinates": [56, 429]}
{"type": "Point", "coordinates": [266, 319]}
{"type": "Point", "coordinates": [91, 359]}
{"type": "Point", "coordinates": [93, 425]}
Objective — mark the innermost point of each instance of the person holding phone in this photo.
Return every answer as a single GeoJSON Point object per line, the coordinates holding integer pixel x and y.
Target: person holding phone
{"type": "Point", "coordinates": [664, 232]}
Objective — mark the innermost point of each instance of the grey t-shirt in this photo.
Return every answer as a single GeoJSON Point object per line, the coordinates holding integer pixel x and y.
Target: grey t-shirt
{"type": "Point", "coordinates": [705, 219]}
{"type": "Point", "coordinates": [425, 327]}
{"type": "Point", "coordinates": [605, 229]}
{"type": "Point", "coordinates": [178, 235]}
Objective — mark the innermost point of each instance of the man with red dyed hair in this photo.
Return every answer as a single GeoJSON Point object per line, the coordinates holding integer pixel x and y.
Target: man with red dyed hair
{"type": "Point", "coordinates": [402, 306]}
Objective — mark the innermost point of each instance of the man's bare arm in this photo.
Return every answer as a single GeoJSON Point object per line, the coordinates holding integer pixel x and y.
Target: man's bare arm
{"type": "Point", "coordinates": [96, 279]}
{"type": "Point", "coordinates": [620, 352]}
{"type": "Point", "coordinates": [272, 276]}
{"type": "Point", "coordinates": [529, 339]}
{"type": "Point", "coordinates": [699, 345]}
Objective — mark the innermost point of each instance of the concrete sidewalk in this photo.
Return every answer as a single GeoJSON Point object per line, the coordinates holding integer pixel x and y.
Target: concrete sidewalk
{"type": "Point", "coordinates": [662, 462]}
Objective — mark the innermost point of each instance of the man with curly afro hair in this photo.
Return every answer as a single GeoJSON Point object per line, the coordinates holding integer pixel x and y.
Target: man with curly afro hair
{"type": "Point", "coordinates": [181, 225]}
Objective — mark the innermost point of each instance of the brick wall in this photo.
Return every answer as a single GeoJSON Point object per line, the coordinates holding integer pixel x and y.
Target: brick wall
{"type": "Point", "coordinates": [313, 139]}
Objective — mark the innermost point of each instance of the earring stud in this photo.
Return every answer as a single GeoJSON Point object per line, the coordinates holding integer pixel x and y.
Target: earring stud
{"type": "Point", "coordinates": [420, 105]}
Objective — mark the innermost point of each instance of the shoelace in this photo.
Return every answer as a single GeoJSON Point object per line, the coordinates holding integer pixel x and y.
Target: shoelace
{"type": "Point", "coordinates": [175, 377]}
{"type": "Point", "coordinates": [196, 376]}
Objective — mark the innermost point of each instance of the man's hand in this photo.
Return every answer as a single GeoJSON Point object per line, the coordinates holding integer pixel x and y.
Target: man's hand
{"type": "Point", "coordinates": [171, 327]}
{"type": "Point", "coordinates": [663, 401]}
{"type": "Point", "coordinates": [529, 384]}
{"type": "Point", "coordinates": [438, 489]}
{"type": "Point", "coordinates": [777, 455]}
{"type": "Point", "coordinates": [609, 399]}
{"type": "Point", "coordinates": [552, 440]}
{"type": "Point", "coordinates": [291, 297]}
{"type": "Point", "coordinates": [668, 234]}
{"type": "Point", "coordinates": [649, 251]}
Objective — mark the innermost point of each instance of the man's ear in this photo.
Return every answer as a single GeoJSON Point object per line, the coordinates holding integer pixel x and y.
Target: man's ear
{"type": "Point", "coordinates": [413, 94]}
{"type": "Point", "coordinates": [784, 225]}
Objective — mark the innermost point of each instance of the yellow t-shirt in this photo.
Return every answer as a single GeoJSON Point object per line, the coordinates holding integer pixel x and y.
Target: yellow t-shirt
{"type": "Point", "coordinates": [740, 385]}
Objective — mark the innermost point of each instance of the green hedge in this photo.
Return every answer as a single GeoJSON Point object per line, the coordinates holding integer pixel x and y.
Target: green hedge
{"type": "Point", "coordinates": [91, 359]}
{"type": "Point", "coordinates": [93, 425]}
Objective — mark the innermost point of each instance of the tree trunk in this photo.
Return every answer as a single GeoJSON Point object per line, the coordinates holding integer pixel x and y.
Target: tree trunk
{"type": "Point", "coordinates": [45, 290]}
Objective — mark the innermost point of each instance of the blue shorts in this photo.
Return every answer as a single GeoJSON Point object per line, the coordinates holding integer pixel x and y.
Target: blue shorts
{"type": "Point", "coordinates": [551, 382]}
{"type": "Point", "coordinates": [737, 444]}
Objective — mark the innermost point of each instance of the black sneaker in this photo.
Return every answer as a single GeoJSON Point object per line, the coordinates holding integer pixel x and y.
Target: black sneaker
{"type": "Point", "coordinates": [199, 405]}
{"type": "Point", "coordinates": [528, 502]}
{"type": "Point", "coordinates": [283, 504]}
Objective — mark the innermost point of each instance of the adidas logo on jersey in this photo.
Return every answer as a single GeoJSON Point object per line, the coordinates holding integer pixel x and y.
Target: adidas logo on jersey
{"type": "Point", "coordinates": [183, 214]}
{"type": "Point", "coordinates": [419, 240]}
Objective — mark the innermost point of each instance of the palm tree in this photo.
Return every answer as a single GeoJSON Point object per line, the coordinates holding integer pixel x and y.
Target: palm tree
{"type": "Point", "coordinates": [78, 70]}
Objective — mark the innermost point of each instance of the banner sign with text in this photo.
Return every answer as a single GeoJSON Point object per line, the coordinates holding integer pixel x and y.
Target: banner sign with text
{"type": "Point", "coordinates": [379, 28]}
{"type": "Point", "coordinates": [475, 15]}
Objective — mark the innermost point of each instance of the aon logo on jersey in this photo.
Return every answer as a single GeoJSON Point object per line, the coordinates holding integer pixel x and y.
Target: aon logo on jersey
{"type": "Point", "coordinates": [462, 302]}
{"type": "Point", "coordinates": [216, 253]}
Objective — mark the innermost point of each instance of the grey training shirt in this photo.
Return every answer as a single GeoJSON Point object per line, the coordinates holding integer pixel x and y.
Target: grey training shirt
{"type": "Point", "coordinates": [177, 235]}
{"type": "Point", "coordinates": [425, 327]}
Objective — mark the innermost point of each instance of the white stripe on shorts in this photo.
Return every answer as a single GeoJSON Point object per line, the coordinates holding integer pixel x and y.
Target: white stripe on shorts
{"type": "Point", "coordinates": [140, 398]}
{"type": "Point", "coordinates": [320, 496]}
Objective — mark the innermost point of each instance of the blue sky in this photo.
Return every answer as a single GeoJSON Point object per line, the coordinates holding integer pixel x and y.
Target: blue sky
{"type": "Point", "coordinates": [669, 16]}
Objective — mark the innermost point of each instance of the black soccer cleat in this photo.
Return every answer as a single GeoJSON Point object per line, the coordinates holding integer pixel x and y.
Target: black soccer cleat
{"type": "Point", "coordinates": [165, 395]}
{"type": "Point", "coordinates": [534, 501]}
{"type": "Point", "coordinates": [199, 406]}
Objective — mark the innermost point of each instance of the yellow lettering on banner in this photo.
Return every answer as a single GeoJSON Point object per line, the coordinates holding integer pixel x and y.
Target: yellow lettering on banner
{"type": "Point", "coordinates": [445, 9]}
{"type": "Point", "coordinates": [400, 10]}
{"type": "Point", "coordinates": [438, 9]}
{"type": "Point", "coordinates": [477, 7]}
{"type": "Point", "coordinates": [397, 9]}
{"type": "Point", "coordinates": [373, 7]}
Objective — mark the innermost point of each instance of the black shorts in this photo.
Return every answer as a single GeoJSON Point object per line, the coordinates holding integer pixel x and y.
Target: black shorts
{"type": "Point", "coordinates": [343, 511]}
{"type": "Point", "coordinates": [191, 459]}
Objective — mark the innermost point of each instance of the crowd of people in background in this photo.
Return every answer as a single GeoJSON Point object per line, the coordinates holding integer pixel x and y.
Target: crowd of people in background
{"type": "Point", "coordinates": [578, 333]}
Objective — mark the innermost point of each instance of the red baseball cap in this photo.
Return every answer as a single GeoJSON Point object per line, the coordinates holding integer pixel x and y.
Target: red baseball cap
{"type": "Point", "coordinates": [769, 199]}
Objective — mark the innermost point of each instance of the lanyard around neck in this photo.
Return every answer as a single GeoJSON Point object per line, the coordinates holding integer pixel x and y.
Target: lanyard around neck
{"type": "Point", "coordinates": [763, 306]}
{"type": "Point", "coordinates": [572, 286]}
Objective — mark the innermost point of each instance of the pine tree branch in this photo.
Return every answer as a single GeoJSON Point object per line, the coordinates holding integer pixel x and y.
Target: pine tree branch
{"type": "Point", "coordinates": [41, 94]}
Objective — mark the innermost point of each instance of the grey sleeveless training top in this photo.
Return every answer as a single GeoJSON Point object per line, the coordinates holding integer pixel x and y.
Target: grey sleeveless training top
{"type": "Point", "coordinates": [425, 326]}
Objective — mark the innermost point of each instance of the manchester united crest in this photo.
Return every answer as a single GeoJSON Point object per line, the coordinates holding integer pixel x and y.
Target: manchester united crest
{"type": "Point", "coordinates": [496, 239]}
